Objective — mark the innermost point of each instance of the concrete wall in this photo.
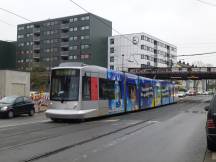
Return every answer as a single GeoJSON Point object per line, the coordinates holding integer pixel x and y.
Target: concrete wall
{"type": "Point", "coordinates": [14, 83]}
{"type": "Point", "coordinates": [2, 83]}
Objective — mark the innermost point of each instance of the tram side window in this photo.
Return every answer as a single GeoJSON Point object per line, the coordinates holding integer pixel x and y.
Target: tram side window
{"type": "Point", "coordinates": [132, 92]}
{"type": "Point", "coordinates": [106, 89]}
{"type": "Point", "coordinates": [86, 88]}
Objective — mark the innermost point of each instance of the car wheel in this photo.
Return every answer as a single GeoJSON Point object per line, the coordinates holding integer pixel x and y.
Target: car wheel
{"type": "Point", "coordinates": [31, 112]}
{"type": "Point", "coordinates": [210, 145]}
{"type": "Point", "coordinates": [10, 114]}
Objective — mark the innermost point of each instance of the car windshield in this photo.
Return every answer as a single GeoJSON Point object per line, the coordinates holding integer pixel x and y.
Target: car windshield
{"type": "Point", "coordinates": [65, 85]}
{"type": "Point", "coordinates": [8, 100]}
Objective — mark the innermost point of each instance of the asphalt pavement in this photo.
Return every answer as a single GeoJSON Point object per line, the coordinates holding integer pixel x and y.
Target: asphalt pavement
{"type": "Point", "coordinates": [173, 133]}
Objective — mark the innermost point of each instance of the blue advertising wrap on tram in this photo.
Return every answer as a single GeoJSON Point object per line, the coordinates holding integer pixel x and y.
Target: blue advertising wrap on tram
{"type": "Point", "coordinates": [146, 93]}
{"type": "Point", "coordinates": [165, 92]}
{"type": "Point", "coordinates": [116, 105]}
{"type": "Point", "coordinates": [132, 92]}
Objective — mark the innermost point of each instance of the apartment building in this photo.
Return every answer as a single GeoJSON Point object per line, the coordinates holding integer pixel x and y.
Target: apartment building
{"type": "Point", "coordinates": [78, 38]}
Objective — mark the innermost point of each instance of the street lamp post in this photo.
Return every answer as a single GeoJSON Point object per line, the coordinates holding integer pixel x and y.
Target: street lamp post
{"type": "Point", "coordinates": [122, 62]}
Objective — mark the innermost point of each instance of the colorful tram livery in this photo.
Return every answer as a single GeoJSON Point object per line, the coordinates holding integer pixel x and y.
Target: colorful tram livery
{"type": "Point", "coordinates": [81, 91]}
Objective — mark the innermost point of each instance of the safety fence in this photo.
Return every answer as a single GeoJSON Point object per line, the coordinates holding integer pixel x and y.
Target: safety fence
{"type": "Point", "coordinates": [41, 103]}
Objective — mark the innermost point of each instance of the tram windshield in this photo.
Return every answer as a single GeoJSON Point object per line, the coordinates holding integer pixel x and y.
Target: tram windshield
{"type": "Point", "coordinates": [65, 85]}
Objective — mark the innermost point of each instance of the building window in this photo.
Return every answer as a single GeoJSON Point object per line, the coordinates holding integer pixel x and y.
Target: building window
{"type": "Point", "coordinates": [75, 19]}
{"type": "Point", "coordinates": [85, 56]}
{"type": "Point", "coordinates": [84, 28]}
{"type": "Point", "coordinates": [142, 56]}
{"type": "Point", "coordinates": [112, 59]}
{"type": "Point", "coordinates": [112, 50]}
{"type": "Point", "coordinates": [142, 37]}
{"type": "Point", "coordinates": [84, 18]}
{"type": "Point", "coordinates": [21, 28]}
{"type": "Point", "coordinates": [64, 58]}
{"type": "Point", "coordinates": [84, 46]}
{"type": "Point", "coordinates": [71, 48]}
{"type": "Point", "coordinates": [73, 29]}
{"type": "Point", "coordinates": [20, 36]}
{"type": "Point", "coordinates": [111, 67]}
{"type": "Point", "coordinates": [112, 41]}
{"type": "Point", "coordinates": [74, 38]}
{"type": "Point", "coordinates": [84, 37]}
{"type": "Point", "coordinates": [143, 66]}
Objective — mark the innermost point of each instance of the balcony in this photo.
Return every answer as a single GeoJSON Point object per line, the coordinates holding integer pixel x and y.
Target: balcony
{"type": "Point", "coordinates": [36, 47]}
{"type": "Point", "coordinates": [64, 26]}
{"type": "Point", "coordinates": [36, 30]}
{"type": "Point", "coordinates": [64, 53]}
{"type": "Point", "coordinates": [36, 57]}
{"type": "Point", "coordinates": [155, 46]}
{"type": "Point", "coordinates": [64, 44]}
{"type": "Point", "coordinates": [64, 35]}
{"type": "Point", "coordinates": [36, 39]}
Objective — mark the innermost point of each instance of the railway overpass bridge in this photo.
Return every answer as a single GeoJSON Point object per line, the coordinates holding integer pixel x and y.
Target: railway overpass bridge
{"type": "Point", "coordinates": [176, 73]}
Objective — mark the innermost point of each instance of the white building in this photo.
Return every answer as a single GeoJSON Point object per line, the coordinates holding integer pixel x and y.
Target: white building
{"type": "Point", "coordinates": [139, 50]}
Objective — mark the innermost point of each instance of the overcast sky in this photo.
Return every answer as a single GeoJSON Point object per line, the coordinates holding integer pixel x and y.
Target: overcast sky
{"type": "Point", "coordinates": [188, 24]}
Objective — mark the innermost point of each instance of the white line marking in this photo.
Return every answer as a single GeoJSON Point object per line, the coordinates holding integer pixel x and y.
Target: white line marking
{"type": "Point", "coordinates": [26, 123]}
{"type": "Point", "coordinates": [111, 120]}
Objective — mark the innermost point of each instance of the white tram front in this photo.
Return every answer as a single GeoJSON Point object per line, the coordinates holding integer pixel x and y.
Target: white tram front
{"type": "Point", "coordinates": [74, 92]}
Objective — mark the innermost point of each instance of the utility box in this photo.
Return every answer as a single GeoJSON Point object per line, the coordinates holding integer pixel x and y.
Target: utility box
{"type": "Point", "coordinates": [14, 83]}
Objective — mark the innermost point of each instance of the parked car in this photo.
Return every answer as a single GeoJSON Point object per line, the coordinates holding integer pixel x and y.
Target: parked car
{"type": "Point", "coordinates": [181, 94]}
{"type": "Point", "coordinates": [191, 93]}
{"type": "Point", "coordinates": [211, 124]}
{"type": "Point", "coordinates": [16, 105]}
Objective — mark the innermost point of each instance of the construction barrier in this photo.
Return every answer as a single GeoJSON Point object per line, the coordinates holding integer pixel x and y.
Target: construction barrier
{"type": "Point", "coordinates": [41, 103]}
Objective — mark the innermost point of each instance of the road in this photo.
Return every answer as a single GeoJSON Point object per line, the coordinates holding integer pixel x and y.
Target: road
{"type": "Point", "coordinates": [173, 133]}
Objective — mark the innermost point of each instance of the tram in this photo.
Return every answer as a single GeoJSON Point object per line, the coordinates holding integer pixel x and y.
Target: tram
{"type": "Point", "coordinates": [79, 91]}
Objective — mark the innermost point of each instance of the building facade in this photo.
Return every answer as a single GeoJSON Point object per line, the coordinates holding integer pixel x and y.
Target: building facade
{"type": "Point", "coordinates": [7, 55]}
{"type": "Point", "coordinates": [79, 38]}
{"type": "Point", "coordinates": [139, 50]}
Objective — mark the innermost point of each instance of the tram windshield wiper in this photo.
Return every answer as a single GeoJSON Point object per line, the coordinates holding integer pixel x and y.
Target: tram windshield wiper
{"type": "Point", "coordinates": [61, 95]}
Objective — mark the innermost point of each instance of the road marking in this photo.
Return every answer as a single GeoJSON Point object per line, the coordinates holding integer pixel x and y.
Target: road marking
{"type": "Point", "coordinates": [111, 120]}
{"type": "Point", "coordinates": [26, 123]}
{"type": "Point", "coordinates": [213, 155]}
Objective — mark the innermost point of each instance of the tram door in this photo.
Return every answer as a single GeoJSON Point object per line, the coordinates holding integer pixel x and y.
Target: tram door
{"type": "Point", "coordinates": [90, 95]}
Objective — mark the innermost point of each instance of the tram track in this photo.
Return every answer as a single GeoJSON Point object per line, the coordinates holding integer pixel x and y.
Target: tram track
{"type": "Point", "coordinates": [44, 155]}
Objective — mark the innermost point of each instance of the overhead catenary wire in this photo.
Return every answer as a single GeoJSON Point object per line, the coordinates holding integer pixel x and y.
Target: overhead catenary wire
{"type": "Point", "coordinates": [5, 22]}
{"type": "Point", "coordinates": [13, 13]}
{"type": "Point", "coordinates": [207, 3]}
